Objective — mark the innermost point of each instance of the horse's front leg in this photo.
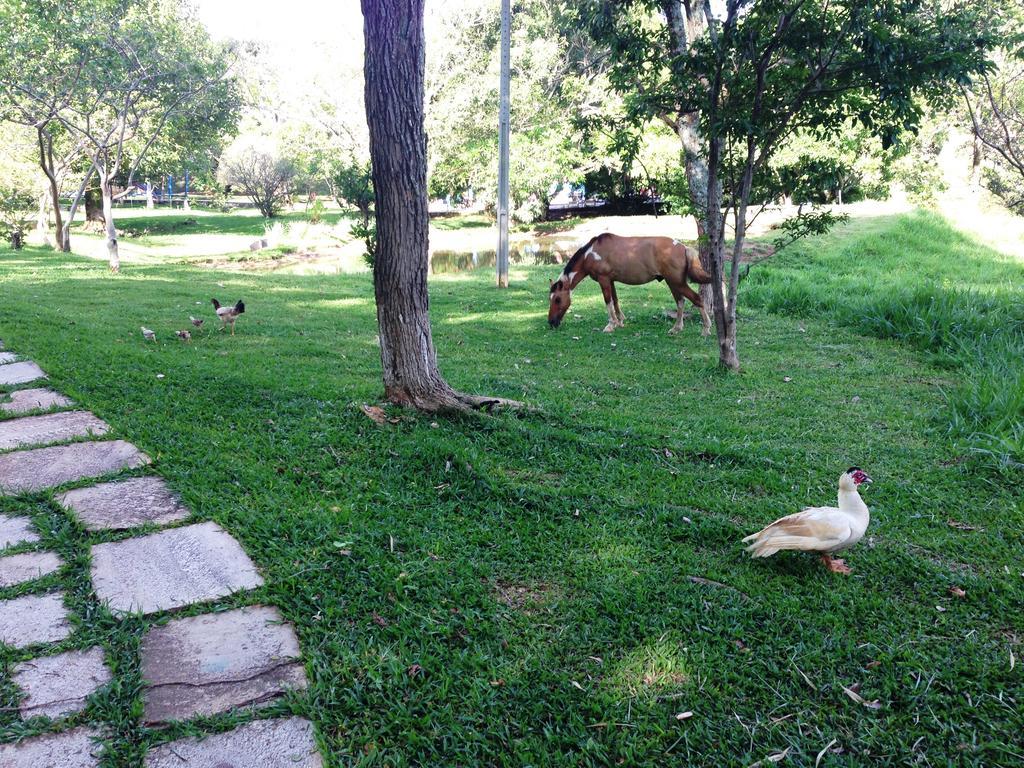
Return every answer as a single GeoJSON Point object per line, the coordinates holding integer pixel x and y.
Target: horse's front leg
{"type": "Point", "coordinates": [608, 290]}
{"type": "Point", "coordinates": [620, 318]}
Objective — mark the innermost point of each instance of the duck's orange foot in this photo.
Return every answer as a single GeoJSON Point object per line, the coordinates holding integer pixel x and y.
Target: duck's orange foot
{"type": "Point", "coordinates": [836, 565]}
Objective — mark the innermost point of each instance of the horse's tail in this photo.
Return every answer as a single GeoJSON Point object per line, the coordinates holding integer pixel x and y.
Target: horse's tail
{"type": "Point", "coordinates": [694, 270]}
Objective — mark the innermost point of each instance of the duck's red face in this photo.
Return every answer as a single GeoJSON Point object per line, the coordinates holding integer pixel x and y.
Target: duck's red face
{"type": "Point", "coordinates": [561, 297]}
{"type": "Point", "coordinates": [858, 475]}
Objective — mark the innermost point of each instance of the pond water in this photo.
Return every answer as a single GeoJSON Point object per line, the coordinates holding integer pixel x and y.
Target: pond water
{"type": "Point", "coordinates": [450, 262]}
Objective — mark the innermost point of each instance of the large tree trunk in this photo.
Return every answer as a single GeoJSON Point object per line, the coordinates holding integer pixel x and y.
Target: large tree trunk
{"type": "Point", "coordinates": [394, 72]}
{"type": "Point", "coordinates": [61, 236]}
{"type": "Point", "coordinates": [42, 219]}
{"type": "Point", "coordinates": [724, 310]}
{"type": "Point", "coordinates": [114, 259]}
{"type": "Point", "coordinates": [686, 24]}
{"type": "Point", "coordinates": [75, 202]}
{"type": "Point", "coordinates": [697, 182]}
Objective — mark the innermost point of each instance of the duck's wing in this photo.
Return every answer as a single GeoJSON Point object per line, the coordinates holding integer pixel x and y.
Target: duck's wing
{"type": "Point", "coordinates": [816, 529]}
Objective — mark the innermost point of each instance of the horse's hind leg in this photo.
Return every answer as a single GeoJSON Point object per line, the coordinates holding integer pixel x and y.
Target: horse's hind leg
{"type": "Point", "coordinates": [677, 294]}
{"type": "Point", "coordinates": [608, 290]}
{"type": "Point", "coordinates": [619, 317]}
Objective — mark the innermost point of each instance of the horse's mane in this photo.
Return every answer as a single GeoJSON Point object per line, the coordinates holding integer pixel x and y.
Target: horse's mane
{"type": "Point", "coordinates": [570, 266]}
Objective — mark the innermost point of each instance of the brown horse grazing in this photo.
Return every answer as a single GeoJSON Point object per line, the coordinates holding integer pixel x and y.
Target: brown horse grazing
{"type": "Point", "coordinates": [609, 259]}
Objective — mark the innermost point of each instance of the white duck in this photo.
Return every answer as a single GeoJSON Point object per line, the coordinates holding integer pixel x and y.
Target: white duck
{"type": "Point", "coordinates": [819, 529]}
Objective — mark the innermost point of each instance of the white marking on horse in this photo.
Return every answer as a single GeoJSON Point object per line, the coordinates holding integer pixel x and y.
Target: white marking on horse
{"type": "Point", "coordinates": [569, 278]}
{"type": "Point", "coordinates": [593, 254]}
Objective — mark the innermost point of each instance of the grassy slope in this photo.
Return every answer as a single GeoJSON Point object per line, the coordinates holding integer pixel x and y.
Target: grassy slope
{"type": "Point", "coordinates": [645, 468]}
{"type": "Point", "coordinates": [921, 282]}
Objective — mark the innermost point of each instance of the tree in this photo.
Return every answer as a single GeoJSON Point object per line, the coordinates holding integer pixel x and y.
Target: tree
{"type": "Point", "coordinates": [42, 55]}
{"type": "Point", "coordinates": [352, 183]}
{"type": "Point", "coordinates": [152, 63]}
{"type": "Point", "coordinates": [15, 204]}
{"type": "Point", "coordinates": [755, 72]}
{"type": "Point", "coordinates": [192, 142]}
{"type": "Point", "coordinates": [394, 75]}
{"type": "Point", "coordinates": [557, 84]}
{"type": "Point", "coordinates": [19, 182]}
{"type": "Point", "coordinates": [260, 173]}
{"type": "Point", "coordinates": [113, 74]}
{"type": "Point", "coordinates": [995, 106]}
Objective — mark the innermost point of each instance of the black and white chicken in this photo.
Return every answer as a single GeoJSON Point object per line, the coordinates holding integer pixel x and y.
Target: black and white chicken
{"type": "Point", "coordinates": [228, 315]}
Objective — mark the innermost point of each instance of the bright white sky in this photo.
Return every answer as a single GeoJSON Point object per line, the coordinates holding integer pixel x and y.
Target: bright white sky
{"type": "Point", "coordinates": [290, 22]}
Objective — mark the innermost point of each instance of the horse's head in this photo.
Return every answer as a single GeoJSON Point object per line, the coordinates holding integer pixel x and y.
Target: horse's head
{"type": "Point", "coordinates": [561, 297]}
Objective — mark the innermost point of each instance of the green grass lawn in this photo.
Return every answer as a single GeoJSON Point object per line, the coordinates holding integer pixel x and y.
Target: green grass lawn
{"type": "Point", "coordinates": [553, 588]}
{"type": "Point", "coordinates": [141, 224]}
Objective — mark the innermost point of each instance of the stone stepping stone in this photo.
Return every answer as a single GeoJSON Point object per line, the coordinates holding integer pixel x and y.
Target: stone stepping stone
{"type": "Point", "coordinates": [171, 569]}
{"type": "Point", "coordinates": [7, 357]}
{"type": "Point", "coordinates": [32, 619]}
{"type": "Point", "coordinates": [77, 748]}
{"type": "Point", "coordinates": [50, 428]}
{"type": "Point", "coordinates": [283, 743]}
{"type": "Point", "coordinates": [25, 400]}
{"type": "Point", "coordinates": [124, 504]}
{"type": "Point", "coordinates": [16, 530]}
{"type": "Point", "coordinates": [204, 665]}
{"type": "Point", "coordinates": [59, 685]}
{"type": "Point", "coordinates": [28, 566]}
{"type": "Point", "coordinates": [42, 468]}
{"type": "Point", "coordinates": [20, 373]}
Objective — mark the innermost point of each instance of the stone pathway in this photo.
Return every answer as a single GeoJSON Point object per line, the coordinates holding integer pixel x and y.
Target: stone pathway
{"type": "Point", "coordinates": [16, 530]}
{"type": "Point", "coordinates": [27, 566]}
{"type": "Point", "coordinates": [192, 666]}
{"type": "Point", "coordinates": [200, 666]}
{"type": "Point", "coordinates": [28, 400]}
{"type": "Point", "coordinates": [56, 686]}
{"type": "Point", "coordinates": [45, 468]}
{"type": "Point", "coordinates": [20, 373]}
{"type": "Point", "coordinates": [171, 569]}
{"type": "Point", "coordinates": [124, 504]}
{"type": "Point", "coordinates": [49, 428]}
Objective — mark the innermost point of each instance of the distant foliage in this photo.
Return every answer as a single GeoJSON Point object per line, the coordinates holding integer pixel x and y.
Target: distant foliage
{"type": "Point", "coordinates": [316, 212]}
{"type": "Point", "coordinates": [15, 207]}
{"type": "Point", "coordinates": [260, 173]}
{"type": "Point", "coordinates": [352, 184]}
{"type": "Point", "coordinates": [995, 107]}
{"type": "Point", "coordinates": [915, 165]}
{"type": "Point", "coordinates": [557, 82]}
{"type": "Point", "coordinates": [367, 232]}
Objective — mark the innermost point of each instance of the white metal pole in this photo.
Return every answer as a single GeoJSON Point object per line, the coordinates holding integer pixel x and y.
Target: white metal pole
{"type": "Point", "coordinates": [503, 140]}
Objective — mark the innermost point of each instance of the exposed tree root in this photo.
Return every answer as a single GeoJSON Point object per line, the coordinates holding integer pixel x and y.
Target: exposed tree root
{"type": "Point", "coordinates": [444, 399]}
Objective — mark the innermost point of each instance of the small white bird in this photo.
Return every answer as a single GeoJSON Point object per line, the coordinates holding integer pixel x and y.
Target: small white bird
{"type": "Point", "coordinates": [147, 334]}
{"type": "Point", "coordinates": [819, 529]}
{"type": "Point", "coordinates": [184, 335]}
{"type": "Point", "coordinates": [196, 321]}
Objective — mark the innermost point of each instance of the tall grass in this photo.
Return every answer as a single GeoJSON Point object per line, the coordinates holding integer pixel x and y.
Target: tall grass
{"type": "Point", "coordinates": [915, 279]}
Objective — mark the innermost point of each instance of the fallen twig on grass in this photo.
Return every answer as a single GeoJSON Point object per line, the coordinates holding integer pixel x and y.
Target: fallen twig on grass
{"type": "Point", "coordinates": [713, 583]}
